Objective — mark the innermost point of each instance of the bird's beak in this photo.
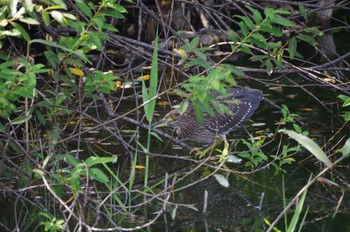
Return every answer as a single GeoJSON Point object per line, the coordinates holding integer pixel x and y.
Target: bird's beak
{"type": "Point", "coordinates": [161, 123]}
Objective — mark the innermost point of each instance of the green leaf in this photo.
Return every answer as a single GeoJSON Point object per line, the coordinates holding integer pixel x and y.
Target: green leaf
{"type": "Point", "coordinates": [247, 21]}
{"type": "Point", "coordinates": [23, 32]}
{"type": "Point", "coordinates": [109, 27]}
{"type": "Point", "coordinates": [79, 53]}
{"type": "Point", "coordinates": [95, 40]}
{"type": "Point", "coordinates": [8, 64]}
{"type": "Point", "coordinates": [233, 35]}
{"type": "Point", "coordinates": [30, 21]}
{"type": "Point", "coordinates": [117, 7]}
{"type": "Point", "coordinates": [183, 105]}
{"type": "Point", "coordinates": [98, 175]}
{"type": "Point", "coordinates": [347, 116]}
{"type": "Point", "coordinates": [269, 12]}
{"type": "Point", "coordinates": [302, 11]}
{"type": "Point", "coordinates": [147, 95]}
{"type": "Point", "coordinates": [54, 137]}
{"type": "Point", "coordinates": [346, 148]}
{"type": "Point", "coordinates": [346, 100]}
{"type": "Point", "coordinates": [52, 58]}
{"type": "Point", "coordinates": [222, 180]}
{"type": "Point", "coordinates": [28, 5]}
{"type": "Point", "coordinates": [246, 49]}
{"type": "Point", "coordinates": [61, 4]}
{"type": "Point", "coordinates": [40, 117]}
{"type": "Point", "coordinates": [45, 17]}
{"type": "Point", "coordinates": [21, 119]}
{"type": "Point", "coordinates": [199, 114]}
{"type": "Point", "coordinates": [233, 159]}
{"type": "Point", "coordinates": [292, 47]}
{"type": "Point", "coordinates": [112, 13]}
{"type": "Point", "coordinates": [293, 223]}
{"type": "Point", "coordinates": [84, 8]}
{"type": "Point", "coordinates": [283, 22]}
{"type": "Point", "coordinates": [58, 16]}
{"type": "Point", "coordinates": [256, 15]}
{"type": "Point", "coordinates": [309, 39]}
{"type": "Point", "coordinates": [71, 160]}
{"type": "Point", "coordinates": [266, 27]}
{"type": "Point", "coordinates": [313, 30]}
{"type": "Point", "coordinates": [244, 29]}
{"type": "Point", "coordinates": [13, 6]}
{"type": "Point", "coordinates": [269, 68]}
{"type": "Point", "coordinates": [93, 160]}
{"type": "Point", "coordinates": [199, 62]}
{"type": "Point", "coordinates": [194, 42]}
{"type": "Point", "coordinates": [310, 145]}
{"type": "Point", "coordinates": [22, 91]}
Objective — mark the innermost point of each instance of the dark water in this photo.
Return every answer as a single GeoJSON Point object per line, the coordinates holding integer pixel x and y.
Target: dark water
{"type": "Point", "coordinates": [251, 198]}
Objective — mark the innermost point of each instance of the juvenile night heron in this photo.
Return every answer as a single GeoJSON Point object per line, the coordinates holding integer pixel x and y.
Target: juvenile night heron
{"type": "Point", "coordinates": [217, 127]}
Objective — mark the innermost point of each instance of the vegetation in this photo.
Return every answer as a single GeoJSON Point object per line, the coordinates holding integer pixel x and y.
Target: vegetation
{"type": "Point", "coordinates": [81, 84]}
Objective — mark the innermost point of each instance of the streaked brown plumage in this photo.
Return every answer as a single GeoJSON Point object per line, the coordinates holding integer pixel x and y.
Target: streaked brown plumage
{"type": "Point", "coordinates": [187, 126]}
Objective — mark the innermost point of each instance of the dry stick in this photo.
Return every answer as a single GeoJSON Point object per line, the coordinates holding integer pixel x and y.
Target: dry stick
{"type": "Point", "coordinates": [301, 192]}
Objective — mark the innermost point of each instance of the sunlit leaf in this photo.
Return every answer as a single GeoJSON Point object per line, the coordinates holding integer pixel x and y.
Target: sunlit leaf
{"type": "Point", "coordinates": [93, 160]}
{"type": "Point", "coordinates": [13, 7]}
{"type": "Point", "coordinates": [233, 159]}
{"type": "Point", "coordinates": [183, 105]}
{"type": "Point", "coordinates": [346, 100]}
{"type": "Point", "coordinates": [58, 16]}
{"type": "Point", "coordinates": [143, 77]}
{"type": "Point", "coordinates": [346, 148]}
{"type": "Point", "coordinates": [28, 4]}
{"type": "Point", "coordinates": [30, 21]}
{"type": "Point", "coordinates": [21, 119]}
{"type": "Point", "coordinates": [269, 68]}
{"type": "Point", "coordinates": [77, 71]}
{"type": "Point", "coordinates": [310, 145]}
{"type": "Point", "coordinates": [222, 180]}
{"type": "Point", "coordinates": [45, 17]}
{"type": "Point", "coordinates": [139, 167]}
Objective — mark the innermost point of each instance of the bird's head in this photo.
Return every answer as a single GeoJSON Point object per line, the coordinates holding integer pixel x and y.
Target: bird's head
{"type": "Point", "coordinates": [169, 120]}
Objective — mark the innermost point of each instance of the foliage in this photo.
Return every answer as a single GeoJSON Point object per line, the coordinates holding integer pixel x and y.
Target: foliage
{"type": "Point", "coordinates": [284, 158]}
{"type": "Point", "coordinates": [310, 145]}
{"type": "Point", "coordinates": [56, 63]}
{"type": "Point", "coordinates": [52, 224]}
{"type": "Point", "coordinates": [16, 84]}
{"type": "Point", "coordinates": [199, 87]}
{"type": "Point", "coordinates": [254, 153]}
{"type": "Point", "coordinates": [346, 103]}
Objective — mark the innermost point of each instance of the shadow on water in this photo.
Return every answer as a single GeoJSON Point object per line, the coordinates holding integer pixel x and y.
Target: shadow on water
{"type": "Point", "coordinates": [208, 205]}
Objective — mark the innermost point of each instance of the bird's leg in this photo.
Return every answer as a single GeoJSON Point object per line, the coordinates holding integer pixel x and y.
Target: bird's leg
{"type": "Point", "coordinates": [201, 153]}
